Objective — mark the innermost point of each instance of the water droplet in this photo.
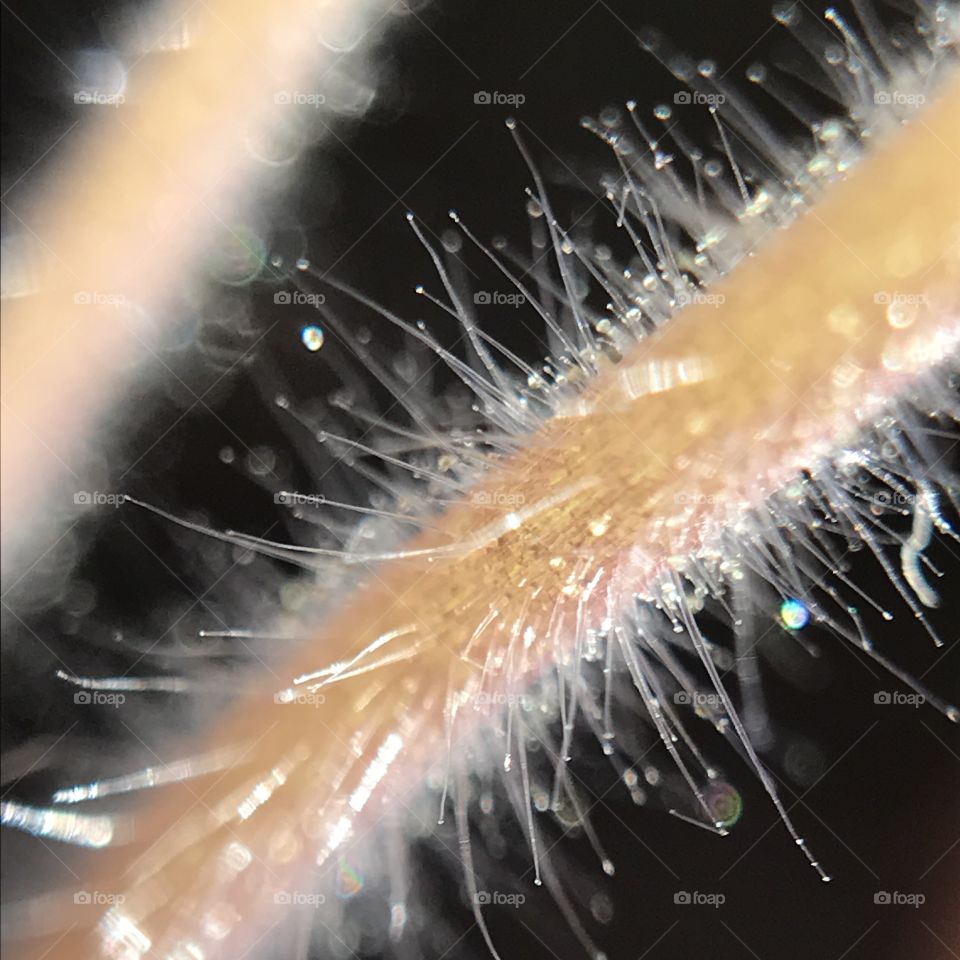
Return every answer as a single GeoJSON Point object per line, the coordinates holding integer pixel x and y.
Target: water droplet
{"type": "Point", "coordinates": [601, 906]}
{"type": "Point", "coordinates": [312, 337]}
{"type": "Point", "coordinates": [451, 241]}
{"type": "Point", "coordinates": [610, 117]}
{"type": "Point", "coordinates": [833, 54]}
{"type": "Point", "coordinates": [794, 614]}
{"type": "Point", "coordinates": [901, 313]}
{"type": "Point", "coordinates": [261, 461]}
{"type": "Point", "coordinates": [349, 881]}
{"type": "Point", "coordinates": [237, 256]}
{"type": "Point", "coordinates": [786, 13]}
{"type": "Point", "coordinates": [600, 525]}
{"type": "Point", "coordinates": [845, 320]}
{"type": "Point", "coordinates": [220, 920]}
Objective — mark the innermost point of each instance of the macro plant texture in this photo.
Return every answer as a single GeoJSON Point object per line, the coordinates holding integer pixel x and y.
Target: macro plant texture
{"type": "Point", "coordinates": [566, 573]}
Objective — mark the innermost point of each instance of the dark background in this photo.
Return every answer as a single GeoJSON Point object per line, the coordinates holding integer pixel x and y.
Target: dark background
{"type": "Point", "coordinates": [878, 798]}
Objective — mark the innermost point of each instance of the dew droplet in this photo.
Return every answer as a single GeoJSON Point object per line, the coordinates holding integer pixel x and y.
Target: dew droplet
{"type": "Point", "coordinates": [794, 614]}
{"type": "Point", "coordinates": [349, 880]}
{"type": "Point", "coordinates": [261, 460]}
{"type": "Point", "coordinates": [601, 907]}
{"type": "Point", "coordinates": [311, 336]}
{"type": "Point", "coordinates": [786, 13]}
{"type": "Point", "coordinates": [902, 313]}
